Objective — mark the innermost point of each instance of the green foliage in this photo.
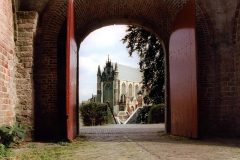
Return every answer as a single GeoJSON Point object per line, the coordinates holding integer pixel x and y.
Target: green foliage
{"type": "Point", "coordinates": [143, 116]}
{"type": "Point", "coordinates": [12, 135]}
{"type": "Point", "coordinates": [94, 113]}
{"type": "Point", "coordinates": [156, 114]}
{"type": "Point", "coordinates": [151, 53]}
{"type": "Point", "coordinates": [151, 114]}
{"type": "Point", "coordinates": [4, 152]}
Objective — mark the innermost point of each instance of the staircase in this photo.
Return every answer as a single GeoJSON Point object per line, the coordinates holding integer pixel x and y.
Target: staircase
{"type": "Point", "coordinates": [133, 119]}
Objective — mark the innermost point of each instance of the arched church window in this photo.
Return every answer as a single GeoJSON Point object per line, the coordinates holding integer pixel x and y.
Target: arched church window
{"type": "Point", "coordinates": [124, 89]}
{"type": "Point", "coordinates": [130, 90]}
{"type": "Point", "coordinates": [123, 98]}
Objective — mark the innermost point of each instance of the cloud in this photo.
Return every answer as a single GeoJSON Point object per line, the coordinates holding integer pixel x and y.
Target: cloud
{"type": "Point", "coordinates": [103, 39]}
{"type": "Point", "coordinates": [94, 51]}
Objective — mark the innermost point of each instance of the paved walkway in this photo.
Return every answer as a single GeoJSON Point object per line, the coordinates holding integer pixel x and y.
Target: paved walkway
{"type": "Point", "coordinates": [149, 142]}
{"type": "Point", "coordinates": [131, 142]}
{"type": "Point", "coordinates": [122, 129]}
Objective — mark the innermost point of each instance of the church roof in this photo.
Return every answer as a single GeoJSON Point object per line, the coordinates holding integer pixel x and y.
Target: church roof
{"type": "Point", "coordinates": [127, 73]}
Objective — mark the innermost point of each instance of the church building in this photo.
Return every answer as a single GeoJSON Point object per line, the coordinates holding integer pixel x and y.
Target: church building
{"type": "Point", "coordinates": [119, 85]}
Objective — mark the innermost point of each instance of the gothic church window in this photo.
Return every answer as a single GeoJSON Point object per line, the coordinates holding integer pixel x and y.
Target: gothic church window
{"type": "Point", "coordinates": [130, 89]}
{"type": "Point", "coordinates": [124, 89]}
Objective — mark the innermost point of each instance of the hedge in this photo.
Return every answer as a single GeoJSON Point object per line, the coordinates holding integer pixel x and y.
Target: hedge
{"type": "Point", "coordinates": [156, 114]}
{"type": "Point", "coordinates": [152, 114]}
{"type": "Point", "coordinates": [94, 113]}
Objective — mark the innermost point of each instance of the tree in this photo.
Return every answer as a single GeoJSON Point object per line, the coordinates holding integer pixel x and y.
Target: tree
{"type": "Point", "coordinates": [150, 50]}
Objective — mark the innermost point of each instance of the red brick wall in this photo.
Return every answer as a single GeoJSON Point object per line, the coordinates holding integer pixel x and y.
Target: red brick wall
{"type": "Point", "coordinates": [151, 14]}
{"type": "Point", "coordinates": [218, 51]}
{"type": "Point", "coordinates": [7, 87]}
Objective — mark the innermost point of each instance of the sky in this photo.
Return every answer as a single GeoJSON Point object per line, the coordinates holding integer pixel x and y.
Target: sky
{"type": "Point", "coordinates": [94, 51]}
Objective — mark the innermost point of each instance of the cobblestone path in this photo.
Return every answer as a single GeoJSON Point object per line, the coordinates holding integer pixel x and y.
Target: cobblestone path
{"type": "Point", "coordinates": [149, 142]}
{"type": "Point", "coordinates": [131, 142]}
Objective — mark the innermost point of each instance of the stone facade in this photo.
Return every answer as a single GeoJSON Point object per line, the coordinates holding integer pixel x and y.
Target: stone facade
{"type": "Point", "coordinates": [119, 85]}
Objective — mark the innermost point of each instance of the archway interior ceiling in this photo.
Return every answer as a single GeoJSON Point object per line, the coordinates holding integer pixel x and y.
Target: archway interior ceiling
{"type": "Point", "coordinates": [156, 16]}
{"type": "Point", "coordinates": [32, 5]}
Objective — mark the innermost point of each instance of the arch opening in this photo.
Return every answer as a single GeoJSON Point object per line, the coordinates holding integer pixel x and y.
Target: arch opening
{"type": "Point", "coordinates": [151, 15]}
{"type": "Point", "coordinates": [126, 96]}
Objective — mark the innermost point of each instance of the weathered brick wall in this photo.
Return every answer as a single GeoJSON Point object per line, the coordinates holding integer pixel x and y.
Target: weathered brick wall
{"type": "Point", "coordinates": [26, 27]}
{"type": "Point", "coordinates": [235, 29]}
{"type": "Point", "coordinates": [218, 63]}
{"type": "Point", "coordinates": [207, 69]}
{"type": "Point", "coordinates": [152, 14]}
{"type": "Point", "coordinates": [218, 35]}
{"type": "Point", "coordinates": [218, 82]}
{"type": "Point", "coordinates": [7, 56]}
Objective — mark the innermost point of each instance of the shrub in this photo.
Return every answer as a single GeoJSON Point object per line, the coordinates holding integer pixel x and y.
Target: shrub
{"type": "Point", "coordinates": [156, 114]}
{"type": "Point", "coordinates": [94, 113]}
{"type": "Point", "coordinates": [12, 135]}
{"type": "Point", "coordinates": [143, 115]}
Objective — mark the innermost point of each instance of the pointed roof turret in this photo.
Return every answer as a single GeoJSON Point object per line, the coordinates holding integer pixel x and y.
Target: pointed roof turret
{"type": "Point", "coordinates": [99, 70]}
{"type": "Point", "coordinates": [116, 67]}
{"type": "Point", "coordinates": [116, 72]}
{"type": "Point", "coordinates": [108, 63]}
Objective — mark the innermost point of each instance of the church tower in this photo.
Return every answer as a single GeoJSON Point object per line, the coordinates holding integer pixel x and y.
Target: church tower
{"type": "Point", "coordinates": [107, 83]}
{"type": "Point", "coordinates": [99, 88]}
{"type": "Point", "coordinates": [113, 80]}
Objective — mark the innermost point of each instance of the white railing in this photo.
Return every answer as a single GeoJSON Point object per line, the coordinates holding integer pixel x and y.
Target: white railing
{"type": "Point", "coordinates": [135, 111]}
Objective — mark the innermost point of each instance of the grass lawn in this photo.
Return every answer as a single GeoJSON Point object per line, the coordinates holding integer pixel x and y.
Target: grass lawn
{"type": "Point", "coordinates": [49, 151]}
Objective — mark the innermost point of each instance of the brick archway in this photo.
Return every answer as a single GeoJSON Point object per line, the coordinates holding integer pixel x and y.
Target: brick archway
{"type": "Point", "coordinates": [151, 14]}
{"type": "Point", "coordinates": [158, 16]}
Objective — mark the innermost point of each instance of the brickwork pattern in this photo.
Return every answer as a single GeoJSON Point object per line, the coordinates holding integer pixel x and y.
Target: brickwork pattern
{"type": "Point", "coordinates": [207, 78]}
{"type": "Point", "coordinates": [7, 56]}
{"type": "Point", "coordinates": [26, 25]}
{"type": "Point", "coordinates": [154, 15]}
{"type": "Point", "coordinates": [221, 118]}
{"type": "Point", "coordinates": [218, 56]}
{"type": "Point", "coordinates": [236, 41]}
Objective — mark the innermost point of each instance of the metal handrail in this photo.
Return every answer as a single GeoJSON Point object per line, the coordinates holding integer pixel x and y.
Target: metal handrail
{"type": "Point", "coordinates": [108, 104]}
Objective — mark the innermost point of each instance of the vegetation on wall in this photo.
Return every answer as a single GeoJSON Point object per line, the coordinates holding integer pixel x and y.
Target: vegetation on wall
{"type": "Point", "coordinates": [94, 113]}
{"type": "Point", "coordinates": [12, 135]}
